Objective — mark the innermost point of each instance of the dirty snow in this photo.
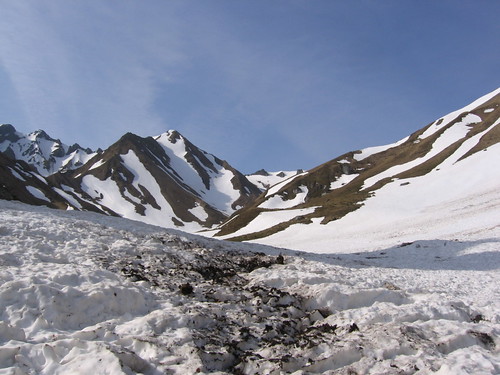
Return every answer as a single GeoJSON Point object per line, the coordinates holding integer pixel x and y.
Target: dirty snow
{"type": "Point", "coordinates": [82, 293]}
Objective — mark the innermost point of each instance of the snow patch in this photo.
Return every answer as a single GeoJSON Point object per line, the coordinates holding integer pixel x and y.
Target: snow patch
{"type": "Point", "coordinates": [268, 219]}
{"type": "Point", "coordinates": [37, 193]}
{"type": "Point", "coordinates": [469, 119]}
{"type": "Point", "coordinates": [97, 164]}
{"type": "Point", "coordinates": [17, 175]}
{"type": "Point", "coordinates": [278, 202]}
{"type": "Point", "coordinates": [274, 189]}
{"type": "Point", "coordinates": [343, 180]}
{"type": "Point", "coordinates": [199, 212]}
{"type": "Point", "coordinates": [364, 153]}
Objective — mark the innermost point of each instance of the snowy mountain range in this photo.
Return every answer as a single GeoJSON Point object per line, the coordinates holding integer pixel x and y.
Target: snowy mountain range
{"type": "Point", "coordinates": [163, 180]}
{"type": "Point", "coordinates": [399, 273]}
{"type": "Point", "coordinates": [167, 181]}
{"type": "Point", "coordinates": [45, 154]}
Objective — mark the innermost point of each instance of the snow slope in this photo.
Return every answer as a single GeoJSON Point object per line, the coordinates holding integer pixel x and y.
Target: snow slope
{"type": "Point", "coordinates": [452, 201]}
{"type": "Point", "coordinates": [381, 192]}
{"type": "Point", "coordinates": [219, 192]}
{"type": "Point", "coordinates": [84, 293]}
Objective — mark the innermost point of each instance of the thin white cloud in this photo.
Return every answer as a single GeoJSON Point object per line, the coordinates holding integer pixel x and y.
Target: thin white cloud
{"type": "Point", "coordinates": [294, 82]}
{"type": "Point", "coordinates": [81, 69]}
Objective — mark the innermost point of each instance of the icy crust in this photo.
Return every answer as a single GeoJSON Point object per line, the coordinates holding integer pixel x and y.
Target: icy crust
{"type": "Point", "coordinates": [82, 293]}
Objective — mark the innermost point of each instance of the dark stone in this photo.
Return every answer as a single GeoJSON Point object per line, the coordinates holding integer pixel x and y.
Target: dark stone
{"type": "Point", "coordinates": [353, 327]}
{"type": "Point", "coordinates": [280, 259]}
{"type": "Point", "coordinates": [186, 289]}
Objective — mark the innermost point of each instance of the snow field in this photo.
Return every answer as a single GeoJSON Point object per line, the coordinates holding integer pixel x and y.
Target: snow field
{"type": "Point", "coordinates": [84, 293]}
{"type": "Point", "coordinates": [454, 201]}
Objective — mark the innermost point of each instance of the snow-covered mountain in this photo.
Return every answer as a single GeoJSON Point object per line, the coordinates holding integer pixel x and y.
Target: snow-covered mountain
{"type": "Point", "coordinates": [168, 181]}
{"type": "Point", "coordinates": [163, 180]}
{"type": "Point", "coordinates": [20, 181]}
{"type": "Point", "coordinates": [38, 149]}
{"type": "Point", "coordinates": [406, 282]}
{"type": "Point", "coordinates": [389, 190]}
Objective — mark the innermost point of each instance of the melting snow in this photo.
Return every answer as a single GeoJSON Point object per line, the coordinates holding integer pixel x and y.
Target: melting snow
{"type": "Point", "coordinates": [278, 202]}
{"type": "Point", "coordinates": [278, 186]}
{"type": "Point", "coordinates": [363, 154]}
{"type": "Point", "coordinates": [83, 293]}
{"type": "Point", "coordinates": [343, 180]}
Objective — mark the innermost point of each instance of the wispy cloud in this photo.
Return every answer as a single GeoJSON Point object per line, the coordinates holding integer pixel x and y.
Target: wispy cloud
{"type": "Point", "coordinates": [83, 68]}
{"type": "Point", "coordinates": [262, 84]}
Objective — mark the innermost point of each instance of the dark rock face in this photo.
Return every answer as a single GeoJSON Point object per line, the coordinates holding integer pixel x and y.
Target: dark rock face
{"type": "Point", "coordinates": [8, 133]}
{"type": "Point", "coordinates": [262, 172]}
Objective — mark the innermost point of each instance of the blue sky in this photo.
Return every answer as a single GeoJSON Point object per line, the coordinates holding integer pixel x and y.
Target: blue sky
{"type": "Point", "coordinates": [268, 84]}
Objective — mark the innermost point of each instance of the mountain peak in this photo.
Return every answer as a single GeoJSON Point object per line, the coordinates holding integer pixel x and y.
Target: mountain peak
{"type": "Point", "coordinates": [42, 152]}
{"type": "Point", "coordinates": [41, 134]}
{"type": "Point", "coordinates": [8, 133]}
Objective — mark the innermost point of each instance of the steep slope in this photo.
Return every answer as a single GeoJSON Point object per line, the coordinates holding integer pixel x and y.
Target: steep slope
{"type": "Point", "coordinates": [452, 158]}
{"type": "Point", "coordinates": [166, 181]}
{"type": "Point", "coordinates": [39, 150]}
